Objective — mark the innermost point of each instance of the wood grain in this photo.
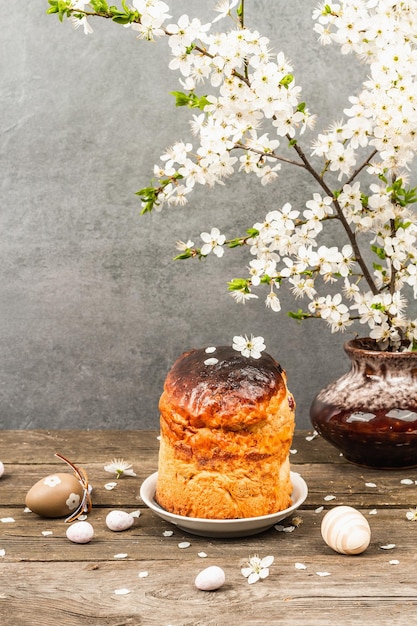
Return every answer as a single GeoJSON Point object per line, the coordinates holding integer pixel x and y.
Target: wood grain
{"type": "Point", "coordinates": [45, 579]}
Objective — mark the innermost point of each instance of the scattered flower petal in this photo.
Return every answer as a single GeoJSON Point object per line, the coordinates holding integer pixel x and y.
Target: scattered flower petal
{"type": "Point", "coordinates": [120, 467]}
{"type": "Point", "coordinates": [121, 592]}
{"type": "Point", "coordinates": [27, 510]}
{"type": "Point", "coordinates": [329, 498]}
{"type": "Point", "coordinates": [323, 574]}
{"type": "Point", "coordinates": [121, 555]}
{"type": "Point", "coordinates": [143, 574]}
{"type": "Point", "coordinates": [7, 520]}
{"type": "Point", "coordinates": [82, 518]}
{"type": "Point", "coordinates": [411, 515]}
{"type": "Point", "coordinates": [249, 347]}
{"type": "Point", "coordinates": [47, 533]}
{"type": "Point", "coordinates": [394, 562]}
{"type": "Point", "coordinates": [168, 533]}
{"type": "Point", "coordinates": [257, 568]}
{"type": "Point", "coordinates": [373, 512]}
{"type": "Point", "coordinates": [135, 513]}
{"type": "Point", "coordinates": [184, 544]}
{"type": "Point", "coordinates": [388, 546]}
{"type": "Point", "coordinates": [407, 481]}
{"type": "Point", "coordinates": [2, 552]}
{"type": "Point", "coordinates": [370, 485]}
{"type": "Point", "coordinates": [210, 350]}
{"type": "Point", "coordinates": [110, 486]}
{"type": "Point", "coordinates": [319, 509]}
{"type": "Point", "coordinates": [300, 566]}
{"type": "Point", "coordinates": [313, 436]}
{"type": "Point", "coordinates": [293, 451]}
{"type": "Point", "coordinates": [202, 555]}
{"type": "Point", "coordinates": [211, 361]}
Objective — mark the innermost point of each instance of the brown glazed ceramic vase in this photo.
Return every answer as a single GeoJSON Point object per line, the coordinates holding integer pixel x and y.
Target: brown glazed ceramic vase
{"type": "Point", "coordinates": [370, 413]}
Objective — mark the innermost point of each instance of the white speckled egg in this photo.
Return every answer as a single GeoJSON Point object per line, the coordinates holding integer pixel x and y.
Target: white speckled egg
{"type": "Point", "coordinates": [119, 520]}
{"type": "Point", "coordinates": [80, 532]}
{"type": "Point", "coordinates": [55, 496]}
{"type": "Point", "coordinates": [346, 530]}
{"type": "Point", "coordinates": [1, 469]}
{"type": "Point", "coordinates": [211, 578]}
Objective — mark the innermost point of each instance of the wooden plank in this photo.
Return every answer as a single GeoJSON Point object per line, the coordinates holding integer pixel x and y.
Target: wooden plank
{"type": "Point", "coordinates": [347, 482]}
{"type": "Point", "coordinates": [79, 446]}
{"type": "Point", "coordinates": [23, 540]}
{"type": "Point", "coordinates": [39, 446]}
{"type": "Point", "coordinates": [85, 594]}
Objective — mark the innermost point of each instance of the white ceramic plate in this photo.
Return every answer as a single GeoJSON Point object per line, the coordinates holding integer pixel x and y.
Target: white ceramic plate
{"type": "Point", "coordinates": [223, 528]}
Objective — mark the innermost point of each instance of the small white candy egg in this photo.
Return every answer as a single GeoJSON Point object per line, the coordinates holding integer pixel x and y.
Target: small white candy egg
{"type": "Point", "coordinates": [211, 578]}
{"type": "Point", "coordinates": [80, 532]}
{"type": "Point", "coordinates": [1, 469]}
{"type": "Point", "coordinates": [119, 520]}
{"type": "Point", "coordinates": [346, 530]}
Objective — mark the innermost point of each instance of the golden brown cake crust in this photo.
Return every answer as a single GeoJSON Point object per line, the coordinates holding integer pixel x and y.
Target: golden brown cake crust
{"type": "Point", "coordinates": [226, 427]}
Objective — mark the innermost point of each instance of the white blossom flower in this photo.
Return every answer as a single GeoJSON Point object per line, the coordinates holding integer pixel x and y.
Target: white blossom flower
{"type": "Point", "coordinates": [252, 347]}
{"type": "Point", "coordinates": [120, 467]}
{"type": "Point", "coordinates": [213, 242]}
{"type": "Point", "coordinates": [257, 568]}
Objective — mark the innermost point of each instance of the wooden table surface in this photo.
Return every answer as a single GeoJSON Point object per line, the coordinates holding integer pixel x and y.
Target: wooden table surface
{"type": "Point", "coordinates": [45, 579]}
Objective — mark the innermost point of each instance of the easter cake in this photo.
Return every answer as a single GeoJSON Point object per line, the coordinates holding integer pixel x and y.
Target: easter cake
{"type": "Point", "coordinates": [227, 423]}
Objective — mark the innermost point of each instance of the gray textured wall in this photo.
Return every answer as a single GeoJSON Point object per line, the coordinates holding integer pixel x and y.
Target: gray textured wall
{"type": "Point", "coordinates": [93, 311]}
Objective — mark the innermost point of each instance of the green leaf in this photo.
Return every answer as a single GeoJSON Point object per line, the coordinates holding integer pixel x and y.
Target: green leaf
{"type": "Point", "coordinates": [239, 284]}
{"type": "Point", "coordinates": [287, 80]}
{"type": "Point", "coordinates": [380, 252]}
{"type": "Point", "coordinates": [191, 100]}
{"type": "Point", "coordinates": [299, 315]}
{"type": "Point", "coordinates": [252, 232]}
{"type": "Point", "coordinates": [187, 254]}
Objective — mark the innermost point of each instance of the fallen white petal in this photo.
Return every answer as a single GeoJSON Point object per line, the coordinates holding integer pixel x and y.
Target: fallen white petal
{"type": "Point", "coordinates": [202, 555]}
{"type": "Point", "coordinates": [370, 485]}
{"type": "Point", "coordinates": [373, 512]}
{"type": "Point", "coordinates": [168, 533]}
{"type": "Point", "coordinates": [121, 555]}
{"type": "Point", "coordinates": [279, 527]}
{"type": "Point", "coordinates": [184, 544]}
{"type": "Point", "coordinates": [47, 533]}
{"type": "Point", "coordinates": [82, 517]}
{"type": "Point", "coordinates": [27, 510]}
{"type": "Point", "coordinates": [407, 481]}
{"type": "Point", "coordinates": [121, 592]}
{"type": "Point", "coordinates": [300, 566]}
{"type": "Point", "coordinates": [328, 498]}
{"type": "Point", "coordinates": [7, 520]}
{"type": "Point", "coordinates": [394, 562]}
{"type": "Point", "coordinates": [388, 546]}
{"type": "Point", "coordinates": [313, 436]}
{"type": "Point", "coordinates": [293, 451]}
{"type": "Point", "coordinates": [319, 509]}
{"type": "Point", "coordinates": [323, 573]}
{"type": "Point", "coordinates": [289, 529]}
{"type": "Point", "coordinates": [135, 513]}
{"type": "Point", "coordinates": [110, 486]}
{"type": "Point", "coordinates": [2, 552]}
{"type": "Point", "coordinates": [143, 574]}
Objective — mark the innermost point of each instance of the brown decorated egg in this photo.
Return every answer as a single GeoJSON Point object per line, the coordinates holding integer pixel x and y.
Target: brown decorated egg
{"type": "Point", "coordinates": [57, 495]}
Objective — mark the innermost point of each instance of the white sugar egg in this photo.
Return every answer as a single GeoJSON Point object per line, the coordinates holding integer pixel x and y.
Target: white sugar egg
{"type": "Point", "coordinates": [211, 578]}
{"type": "Point", "coordinates": [346, 530]}
{"type": "Point", "coordinates": [119, 520]}
{"type": "Point", "coordinates": [80, 532]}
